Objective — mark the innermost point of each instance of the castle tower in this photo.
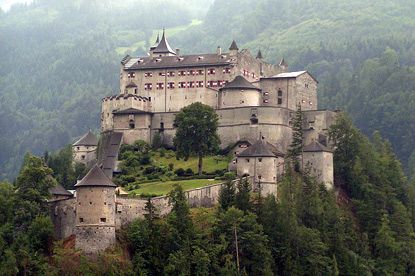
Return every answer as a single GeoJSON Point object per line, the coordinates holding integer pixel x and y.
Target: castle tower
{"type": "Point", "coordinates": [163, 48]}
{"type": "Point", "coordinates": [233, 49]}
{"type": "Point", "coordinates": [95, 212]}
{"type": "Point", "coordinates": [319, 159]}
{"type": "Point", "coordinates": [264, 163]}
{"type": "Point", "coordinates": [84, 149]}
{"type": "Point", "coordinates": [239, 92]}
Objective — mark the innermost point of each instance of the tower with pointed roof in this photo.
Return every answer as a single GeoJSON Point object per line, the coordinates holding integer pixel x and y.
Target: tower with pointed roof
{"type": "Point", "coordinates": [95, 212]}
{"type": "Point", "coordinates": [163, 47]}
{"type": "Point", "coordinates": [233, 48]}
{"type": "Point", "coordinates": [84, 149]}
{"type": "Point", "coordinates": [264, 163]}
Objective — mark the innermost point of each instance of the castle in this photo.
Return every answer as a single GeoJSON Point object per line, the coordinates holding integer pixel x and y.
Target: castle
{"type": "Point", "coordinates": [254, 100]}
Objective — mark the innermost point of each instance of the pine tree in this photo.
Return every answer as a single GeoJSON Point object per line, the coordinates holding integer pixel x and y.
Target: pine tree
{"type": "Point", "coordinates": [296, 146]}
{"type": "Point", "coordinates": [227, 195]}
{"type": "Point", "coordinates": [243, 195]}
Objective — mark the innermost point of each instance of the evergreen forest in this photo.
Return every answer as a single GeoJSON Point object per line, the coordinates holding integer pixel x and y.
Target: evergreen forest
{"type": "Point", "coordinates": [59, 58]}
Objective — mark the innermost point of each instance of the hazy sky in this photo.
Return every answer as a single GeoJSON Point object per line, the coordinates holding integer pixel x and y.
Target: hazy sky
{"type": "Point", "coordinates": [6, 4]}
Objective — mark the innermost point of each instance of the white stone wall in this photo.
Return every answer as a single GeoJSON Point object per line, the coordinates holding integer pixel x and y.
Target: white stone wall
{"type": "Point", "coordinates": [84, 154]}
{"type": "Point", "coordinates": [321, 166]}
{"type": "Point", "coordinates": [262, 169]}
{"type": "Point", "coordinates": [239, 98]}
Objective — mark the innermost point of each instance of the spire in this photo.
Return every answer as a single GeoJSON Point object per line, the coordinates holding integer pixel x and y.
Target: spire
{"type": "Point", "coordinates": [158, 38]}
{"type": "Point", "coordinates": [259, 54]}
{"type": "Point", "coordinates": [283, 64]}
{"type": "Point", "coordinates": [233, 46]}
{"type": "Point", "coordinates": [163, 47]}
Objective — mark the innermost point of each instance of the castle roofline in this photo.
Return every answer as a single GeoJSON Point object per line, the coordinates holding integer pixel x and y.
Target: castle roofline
{"type": "Point", "coordinates": [163, 47]}
{"type": "Point", "coordinates": [89, 139]}
{"type": "Point", "coordinates": [239, 83]}
{"type": "Point", "coordinates": [95, 177]}
{"type": "Point", "coordinates": [131, 111]}
{"type": "Point", "coordinates": [131, 85]}
{"type": "Point", "coordinates": [197, 60]}
{"type": "Point", "coordinates": [261, 148]}
{"type": "Point", "coordinates": [316, 147]}
{"type": "Point", "coordinates": [58, 189]}
{"type": "Point", "coordinates": [290, 75]}
{"type": "Point", "coordinates": [125, 96]}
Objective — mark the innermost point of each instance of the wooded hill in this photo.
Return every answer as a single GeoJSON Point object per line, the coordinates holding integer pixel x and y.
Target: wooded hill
{"type": "Point", "coordinates": [58, 58]}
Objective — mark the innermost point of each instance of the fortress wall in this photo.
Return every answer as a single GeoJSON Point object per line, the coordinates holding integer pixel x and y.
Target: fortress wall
{"type": "Point", "coordinates": [317, 122]}
{"type": "Point", "coordinates": [179, 98]}
{"type": "Point", "coordinates": [263, 169]}
{"type": "Point", "coordinates": [321, 165]}
{"type": "Point", "coordinates": [246, 61]}
{"type": "Point", "coordinates": [63, 216]}
{"type": "Point", "coordinates": [240, 98]}
{"type": "Point", "coordinates": [95, 238]}
{"type": "Point", "coordinates": [306, 92]}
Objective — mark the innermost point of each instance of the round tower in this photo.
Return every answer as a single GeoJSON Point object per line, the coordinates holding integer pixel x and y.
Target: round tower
{"type": "Point", "coordinates": [95, 212]}
{"type": "Point", "coordinates": [239, 92]}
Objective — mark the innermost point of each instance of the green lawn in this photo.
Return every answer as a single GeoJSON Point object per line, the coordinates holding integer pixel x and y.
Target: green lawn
{"type": "Point", "coordinates": [162, 188]}
{"type": "Point", "coordinates": [210, 163]}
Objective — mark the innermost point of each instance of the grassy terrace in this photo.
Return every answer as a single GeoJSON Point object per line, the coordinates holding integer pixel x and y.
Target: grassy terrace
{"type": "Point", "coordinates": [162, 188]}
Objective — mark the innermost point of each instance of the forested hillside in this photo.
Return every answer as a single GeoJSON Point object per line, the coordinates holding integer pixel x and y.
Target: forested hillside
{"type": "Point", "coordinates": [59, 57]}
{"type": "Point", "coordinates": [362, 53]}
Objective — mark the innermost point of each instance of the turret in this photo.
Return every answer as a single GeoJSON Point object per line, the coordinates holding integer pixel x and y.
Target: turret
{"type": "Point", "coordinates": [163, 48]}
{"type": "Point", "coordinates": [319, 160]}
{"type": "Point", "coordinates": [84, 150]}
{"type": "Point", "coordinates": [283, 65]}
{"type": "Point", "coordinates": [239, 92]}
{"type": "Point", "coordinates": [95, 212]}
{"type": "Point", "coordinates": [233, 49]}
{"type": "Point", "coordinates": [263, 162]}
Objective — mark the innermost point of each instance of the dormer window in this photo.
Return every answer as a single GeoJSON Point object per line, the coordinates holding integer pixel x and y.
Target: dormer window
{"type": "Point", "coordinates": [180, 59]}
{"type": "Point", "coordinates": [199, 58]}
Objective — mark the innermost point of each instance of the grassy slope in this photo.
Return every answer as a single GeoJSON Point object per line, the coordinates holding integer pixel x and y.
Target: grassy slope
{"type": "Point", "coordinates": [210, 163]}
{"type": "Point", "coordinates": [162, 188]}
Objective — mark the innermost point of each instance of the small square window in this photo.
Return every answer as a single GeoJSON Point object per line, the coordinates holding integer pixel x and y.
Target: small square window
{"type": "Point", "coordinates": [247, 160]}
{"type": "Point", "coordinates": [259, 159]}
{"type": "Point", "coordinates": [81, 220]}
{"type": "Point", "coordinates": [103, 219]}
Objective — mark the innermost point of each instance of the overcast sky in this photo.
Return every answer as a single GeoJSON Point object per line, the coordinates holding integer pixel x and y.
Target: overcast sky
{"type": "Point", "coordinates": [6, 4]}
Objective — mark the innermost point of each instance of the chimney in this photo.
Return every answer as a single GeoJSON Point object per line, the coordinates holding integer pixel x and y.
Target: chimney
{"type": "Point", "coordinates": [219, 50]}
{"type": "Point", "coordinates": [178, 51]}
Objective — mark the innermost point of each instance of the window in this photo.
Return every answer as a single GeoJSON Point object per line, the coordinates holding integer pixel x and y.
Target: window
{"type": "Point", "coordinates": [162, 74]}
{"type": "Point", "coordinates": [192, 72]}
{"type": "Point", "coordinates": [131, 124]}
{"type": "Point", "coordinates": [182, 73]}
{"type": "Point", "coordinates": [266, 93]}
{"type": "Point", "coordinates": [77, 148]}
{"type": "Point", "coordinates": [199, 83]}
{"type": "Point", "coordinates": [81, 220]}
{"type": "Point", "coordinates": [259, 159]}
{"type": "Point", "coordinates": [226, 70]}
{"type": "Point", "coordinates": [306, 85]}
{"type": "Point", "coordinates": [103, 219]}
{"type": "Point", "coordinates": [135, 91]}
{"type": "Point", "coordinates": [170, 74]}
{"type": "Point", "coordinates": [310, 103]}
{"type": "Point", "coordinates": [148, 86]}
{"type": "Point", "coordinates": [212, 84]}
{"type": "Point", "coordinates": [170, 85]}
{"type": "Point", "coordinates": [200, 72]}
{"type": "Point", "coordinates": [247, 160]}
{"type": "Point", "coordinates": [83, 157]}
{"type": "Point", "coordinates": [148, 74]}
{"type": "Point", "coordinates": [279, 99]}
{"type": "Point", "coordinates": [131, 75]}
{"type": "Point", "coordinates": [253, 75]}
{"type": "Point", "coordinates": [191, 84]}
{"type": "Point", "coordinates": [259, 176]}
{"type": "Point", "coordinates": [182, 84]}
{"type": "Point", "coordinates": [211, 71]}
{"type": "Point", "coordinates": [160, 85]}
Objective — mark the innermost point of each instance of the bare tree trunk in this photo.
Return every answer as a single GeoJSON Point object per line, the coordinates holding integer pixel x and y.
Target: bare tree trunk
{"type": "Point", "coordinates": [199, 165]}
{"type": "Point", "coordinates": [236, 246]}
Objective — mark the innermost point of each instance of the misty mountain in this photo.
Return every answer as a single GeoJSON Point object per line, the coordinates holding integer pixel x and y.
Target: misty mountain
{"type": "Point", "coordinates": [58, 58]}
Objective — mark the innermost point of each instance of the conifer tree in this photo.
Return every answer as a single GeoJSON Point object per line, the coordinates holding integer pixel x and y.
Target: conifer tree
{"type": "Point", "coordinates": [296, 146]}
{"type": "Point", "coordinates": [227, 195]}
{"type": "Point", "coordinates": [243, 194]}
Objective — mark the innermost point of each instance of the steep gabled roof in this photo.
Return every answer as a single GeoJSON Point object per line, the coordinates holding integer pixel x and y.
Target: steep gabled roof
{"type": "Point", "coordinates": [95, 177]}
{"type": "Point", "coordinates": [316, 147]}
{"type": "Point", "coordinates": [259, 54]}
{"type": "Point", "coordinates": [163, 47]}
{"type": "Point", "coordinates": [130, 111]}
{"type": "Point", "coordinates": [233, 46]}
{"type": "Point", "coordinates": [239, 83]}
{"type": "Point", "coordinates": [260, 148]}
{"type": "Point", "coordinates": [59, 190]}
{"type": "Point", "coordinates": [89, 139]}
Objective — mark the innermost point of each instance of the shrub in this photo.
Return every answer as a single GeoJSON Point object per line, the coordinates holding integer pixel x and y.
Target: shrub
{"type": "Point", "coordinates": [189, 172]}
{"type": "Point", "coordinates": [145, 159]}
{"type": "Point", "coordinates": [179, 172]}
{"type": "Point", "coordinates": [171, 166]}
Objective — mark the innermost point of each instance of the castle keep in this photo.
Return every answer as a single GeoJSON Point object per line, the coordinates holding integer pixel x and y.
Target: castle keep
{"type": "Point", "coordinates": [255, 101]}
